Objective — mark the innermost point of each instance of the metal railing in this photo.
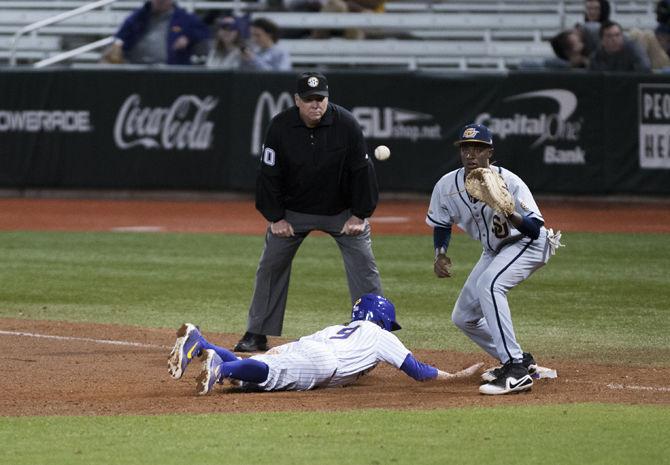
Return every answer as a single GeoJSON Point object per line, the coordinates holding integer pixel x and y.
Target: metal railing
{"type": "Point", "coordinates": [52, 20]}
{"type": "Point", "coordinates": [235, 5]}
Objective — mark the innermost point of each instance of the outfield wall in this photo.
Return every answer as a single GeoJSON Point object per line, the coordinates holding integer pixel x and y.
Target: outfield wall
{"type": "Point", "coordinates": [565, 133]}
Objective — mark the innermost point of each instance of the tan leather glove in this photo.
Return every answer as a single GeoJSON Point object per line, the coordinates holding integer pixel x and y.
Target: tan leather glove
{"type": "Point", "coordinates": [442, 265]}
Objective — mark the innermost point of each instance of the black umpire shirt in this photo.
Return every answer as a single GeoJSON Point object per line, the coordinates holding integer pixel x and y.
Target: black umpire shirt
{"type": "Point", "coordinates": [321, 171]}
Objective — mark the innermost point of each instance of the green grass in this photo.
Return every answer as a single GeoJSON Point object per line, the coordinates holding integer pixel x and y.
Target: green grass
{"type": "Point", "coordinates": [603, 297]}
{"type": "Point", "coordinates": [571, 434]}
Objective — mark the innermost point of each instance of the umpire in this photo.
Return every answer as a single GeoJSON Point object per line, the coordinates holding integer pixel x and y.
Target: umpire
{"type": "Point", "coordinates": [314, 174]}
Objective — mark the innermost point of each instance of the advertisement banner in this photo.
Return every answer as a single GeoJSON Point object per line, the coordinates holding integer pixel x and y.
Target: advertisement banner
{"type": "Point", "coordinates": [197, 129]}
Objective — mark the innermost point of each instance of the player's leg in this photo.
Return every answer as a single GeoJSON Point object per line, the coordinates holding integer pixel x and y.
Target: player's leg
{"type": "Point", "coordinates": [510, 267]}
{"type": "Point", "coordinates": [214, 369]}
{"type": "Point", "coordinates": [268, 304]}
{"type": "Point", "coordinates": [189, 345]}
{"type": "Point", "coordinates": [359, 263]}
{"type": "Point", "coordinates": [467, 314]}
{"type": "Point", "coordinates": [224, 354]}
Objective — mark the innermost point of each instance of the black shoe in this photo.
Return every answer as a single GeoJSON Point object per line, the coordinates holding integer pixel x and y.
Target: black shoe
{"type": "Point", "coordinates": [514, 378]}
{"type": "Point", "coordinates": [251, 342]}
{"type": "Point", "coordinates": [494, 373]}
{"type": "Point", "coordinates": [529, 362]}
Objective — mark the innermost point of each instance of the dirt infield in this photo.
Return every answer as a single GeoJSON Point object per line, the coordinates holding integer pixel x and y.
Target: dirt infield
{"type": "Point", "coordinates": [79, 376]}
{"type": "Point", "coordinates": [62, 368]}
{"type": "Point", "coordinates": [240, 216]}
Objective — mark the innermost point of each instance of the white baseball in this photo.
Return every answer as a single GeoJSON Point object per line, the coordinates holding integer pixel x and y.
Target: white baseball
{"type": "Point", "coordinates": [382, 153]}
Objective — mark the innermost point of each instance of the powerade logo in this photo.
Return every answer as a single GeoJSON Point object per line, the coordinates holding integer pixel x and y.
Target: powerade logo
{"type": "Point", "coordinates": [654, 103]}
{"type": "Point", "coordinates": [47, 121]}
{"type": "Point", "coordinates": [376, 122]}
{"type": "Point", "coordinates": [547, 127]}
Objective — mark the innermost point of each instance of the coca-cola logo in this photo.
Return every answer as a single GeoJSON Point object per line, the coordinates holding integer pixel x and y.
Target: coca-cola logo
{"type": "Point", "coordinates": [181, 126]}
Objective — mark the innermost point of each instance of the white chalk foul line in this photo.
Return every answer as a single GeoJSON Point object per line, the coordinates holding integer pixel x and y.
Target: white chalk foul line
{"type": "Point", "coordinates": [629, 387]}
{"type": "Point", "coordinates": [138, 229]}
{"type": "Point", "coordinates": [389, 219]}
{"type": "Point", "coordinates": [635, 387]}
{"type": "Point", "coordinates": [84, 339]}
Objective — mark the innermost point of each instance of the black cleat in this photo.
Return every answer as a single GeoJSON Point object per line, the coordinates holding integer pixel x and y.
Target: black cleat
{"type": "Point", "coordinates": [251, 342]}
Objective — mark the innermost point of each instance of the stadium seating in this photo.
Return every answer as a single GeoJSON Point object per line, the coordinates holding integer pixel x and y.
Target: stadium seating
{"type": "Point", "coordinates": [431, 34]}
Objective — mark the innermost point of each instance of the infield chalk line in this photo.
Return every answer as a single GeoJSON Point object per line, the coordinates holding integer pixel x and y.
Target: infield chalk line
{"type": "Point", "coordinates": [138, 229]}
{"type": "Point", "coordinates": [389, 219]}
{"type": "Point", "coordinates": [629, 387]}
{"type": "Point", "coordinates": [84, 339]}
{"type": "Point", "coordinates": [635, 387]}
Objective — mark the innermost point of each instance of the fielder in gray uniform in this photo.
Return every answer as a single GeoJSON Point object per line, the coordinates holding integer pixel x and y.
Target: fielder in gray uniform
{"type": "Point", "coordinates": [314, 174]}
{"type": "Point", "coordinates": [514, 247]}
{"type": "Point", "coordinates": [335, 356]}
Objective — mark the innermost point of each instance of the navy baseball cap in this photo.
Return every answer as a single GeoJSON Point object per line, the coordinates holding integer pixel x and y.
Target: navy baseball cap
{"type": "Point", "coordinates": [475, 133]}
{"type": "Point", "coordinates": [312, 83]}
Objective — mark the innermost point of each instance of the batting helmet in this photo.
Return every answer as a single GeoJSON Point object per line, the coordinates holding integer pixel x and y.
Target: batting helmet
{"type": "Point", "coordinates": [375, 308]}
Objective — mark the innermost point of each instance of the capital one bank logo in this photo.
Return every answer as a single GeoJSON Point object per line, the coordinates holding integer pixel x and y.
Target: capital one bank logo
{"type": "Point", "coordinates": [552, 125]}
{"type": "Point", "coordinates": [181, 126]}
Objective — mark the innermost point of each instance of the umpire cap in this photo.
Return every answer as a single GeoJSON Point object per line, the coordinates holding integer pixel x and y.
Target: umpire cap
{"type": "Point", "coordinates": [312, 83]}
{"type": "Point", "coordinates": [475, 133]}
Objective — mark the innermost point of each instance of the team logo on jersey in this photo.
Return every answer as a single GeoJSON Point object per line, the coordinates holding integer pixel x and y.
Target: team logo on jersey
{"type": "Point", "coordinates": [523, 205]}
{"type": "Point", "coordinates": [313, 82]}
{"type": "Point", "coordinates": [470, 133]}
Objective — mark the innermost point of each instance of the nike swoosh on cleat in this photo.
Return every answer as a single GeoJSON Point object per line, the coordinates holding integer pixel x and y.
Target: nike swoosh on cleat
{"type": "Point", "coordinates": [522, 381]}
{"type": "Point", "coordinates": [189, 355]}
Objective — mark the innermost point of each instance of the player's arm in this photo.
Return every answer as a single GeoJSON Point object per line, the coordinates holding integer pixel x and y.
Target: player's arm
{"type": "Point", "coordinates": [269, 182]}
{"type": "Point", "coordinates": [364, 187]}
{"type": "Point", "coordinates": [442, 263]}
{"type": "Point", "coordinates": [418, 370]}
{"type": "Point", "coordinates": [424, 372]}
{"type": "Point", "coordinates": [526, 225]}
{"type": "Point", "coordinates": [439, 219]}
{"type": "Point", "coordinates": [530, 224]}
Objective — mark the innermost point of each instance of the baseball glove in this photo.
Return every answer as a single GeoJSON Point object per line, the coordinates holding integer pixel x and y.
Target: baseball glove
{"type": "Point", "coordinates": [442, 266]}
{"type": "Point", "coordinates": [488, 186]}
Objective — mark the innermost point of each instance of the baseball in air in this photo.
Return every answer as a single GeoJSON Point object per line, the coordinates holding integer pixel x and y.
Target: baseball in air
{"type": "Point", "coordinates": [382, 153]}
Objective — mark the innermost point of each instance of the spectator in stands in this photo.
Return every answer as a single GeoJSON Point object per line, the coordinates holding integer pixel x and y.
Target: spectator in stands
{"type": "Point", "coordinates": [571, 48]}
{"type": "Point", "coordinates": [616, 53]}
{"type": "Point", "coordinates": [226, 51]}
{"type": "Point", "coordinates": [596, 12]}
{"type": "Point", "coordinates": [648, 41]}
{"type": "Point", "coordinates": [663, 29]}
{"type": "Point", "coordinates": [159, 32]}
{"type": "Point", "coordinates": [336, 6]}
{"type": "Point", "coordinates": [573, 51]}
{"type": "Point", "coordinates": [354, 6]}
{"type": "Point", "coordinates": [265, 54]}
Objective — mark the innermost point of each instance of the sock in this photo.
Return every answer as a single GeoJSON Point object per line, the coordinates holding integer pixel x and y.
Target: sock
{"type": "Point", "coordinates": [225, 354]}
{"type": "Point", "coordinates": [248, 369]}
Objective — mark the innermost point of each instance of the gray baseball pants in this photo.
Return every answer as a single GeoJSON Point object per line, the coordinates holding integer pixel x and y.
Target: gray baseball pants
{"type": "Point", "coordinates": [268, 304]}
